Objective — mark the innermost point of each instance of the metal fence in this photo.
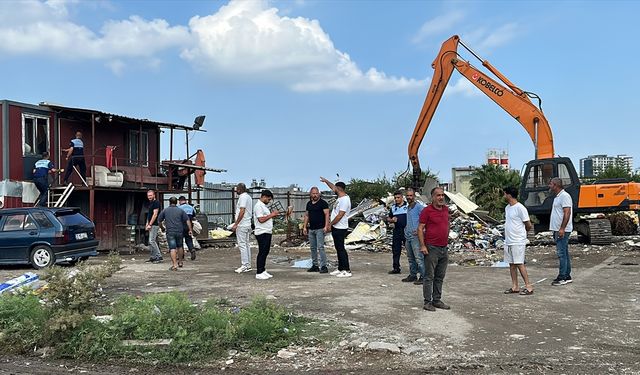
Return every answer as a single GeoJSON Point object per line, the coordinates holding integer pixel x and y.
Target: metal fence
{"type": "Point", "coordinates": [219, 203]}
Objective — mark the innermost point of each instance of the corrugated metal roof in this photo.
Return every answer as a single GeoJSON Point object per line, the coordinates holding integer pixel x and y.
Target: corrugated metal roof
{"type": "Point", "coordinates": [119, 118]}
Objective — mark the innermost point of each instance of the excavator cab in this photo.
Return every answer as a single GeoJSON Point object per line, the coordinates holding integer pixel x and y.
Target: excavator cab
{"type": "Point", "coordinates": [534, 188]}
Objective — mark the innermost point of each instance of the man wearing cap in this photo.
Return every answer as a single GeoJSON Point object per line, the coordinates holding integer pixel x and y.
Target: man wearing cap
{"type": "Point", "coordinates": [41, 172]}
{"type": "Point", "coordinates": [191, 213]}
{"type": "Point", "coordinates": [263, 219]}
{"type": "Point", "coordinates": [339, 225]}
{"type": "Point", "coordinates": [75, 156]}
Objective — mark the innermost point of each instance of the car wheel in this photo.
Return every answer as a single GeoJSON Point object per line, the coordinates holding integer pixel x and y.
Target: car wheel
{"type": "Point", "coordinates": [41, 257]}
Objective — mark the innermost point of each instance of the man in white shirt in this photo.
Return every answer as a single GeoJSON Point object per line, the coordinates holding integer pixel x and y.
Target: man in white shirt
{"type": "Point", "coordinates": [561, 225]}
{"type": "Point", "coordinates": [516, 226]}
{"type": "Point", "coordinates": [339, 225]}
{"type": "Point", "coordinates": [242, 226]}
{"type": "Point", "coordinates": [263, 219]}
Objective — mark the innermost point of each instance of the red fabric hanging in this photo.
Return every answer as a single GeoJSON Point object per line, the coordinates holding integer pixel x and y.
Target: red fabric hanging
{"type": "Point", "coordinates": [109, 156]}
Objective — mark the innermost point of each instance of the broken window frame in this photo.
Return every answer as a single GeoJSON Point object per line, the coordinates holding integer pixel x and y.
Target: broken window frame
{"type": "Point", "coordinates": [39, 128]}
{"type": "Point", "coordinates": [134, 143]}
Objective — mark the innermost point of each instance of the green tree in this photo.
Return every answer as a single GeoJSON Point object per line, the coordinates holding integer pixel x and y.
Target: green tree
{"type": "Point", "coordinates": [358, 189]}
{"type": "Point", "coordinates": [486, 188]}
{"type": "Point", "coordinates": [617, 170]}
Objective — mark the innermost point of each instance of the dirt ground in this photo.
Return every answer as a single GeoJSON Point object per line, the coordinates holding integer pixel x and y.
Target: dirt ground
{"type": "Point", "coordinates": [590, 326]}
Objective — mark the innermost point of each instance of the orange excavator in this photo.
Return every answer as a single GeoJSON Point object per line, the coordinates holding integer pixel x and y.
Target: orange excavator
{"type": "Point", "coordinates": [600, 197]}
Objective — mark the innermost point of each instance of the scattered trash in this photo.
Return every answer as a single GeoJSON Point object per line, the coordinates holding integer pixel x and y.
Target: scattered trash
{"type": "Point", "coordinates": [286, 354]}
{"type": "Point", "coordinates": [500, 264]}
{"type": "Point", "coordinates": [161, 342]}
{"type": "Point", "coordinates": [305, 263]}
{"type": "Point", "coordinates": [19, 281]}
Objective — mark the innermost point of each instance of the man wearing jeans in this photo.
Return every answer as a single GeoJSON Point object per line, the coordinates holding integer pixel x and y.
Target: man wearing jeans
{"type": "Point", "coordinates": [152, 227]}
{"type": "Point", "coordinates": [242, 226]}
{"type": "Point", "coordinates": [561, 225]}
{"type": "Point", "coordinates": [316, 224]}
{"type": "Point", "coordinates": [414, 256]}
{"type": "Point", "coordinates": [433, 233]}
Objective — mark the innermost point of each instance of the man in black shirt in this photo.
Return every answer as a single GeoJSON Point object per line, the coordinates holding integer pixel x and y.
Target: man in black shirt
{"type": "Point", "coordinates": [316, 224]}
{"type": "Point", "coordinates": [152, 227]}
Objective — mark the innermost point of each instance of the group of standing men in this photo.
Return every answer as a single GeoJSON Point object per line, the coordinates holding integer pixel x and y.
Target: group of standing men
{"type": "Point", "coordinates": [317, 222]}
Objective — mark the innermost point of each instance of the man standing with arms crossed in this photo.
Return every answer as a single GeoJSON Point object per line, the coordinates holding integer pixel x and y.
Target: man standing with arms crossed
{"type": "Point", "coordinates": [316, 224]}
{"type": "Point", "coordinates": [152, 227]}
{"type": "Point", "coordinates": [433, 234]}
{"type": "Point", "coordinates": [414, 256]}
{"type": "Point", "coordinates": [339, 225]}
{"type": "Point", "coordinates": [242, 227]}
{"type": "Point", "coordinates": [516, 225]}
{"type": "Point", "coordinates": [397, 216]}
{"type": "Point", "coordinates": [561, 225]}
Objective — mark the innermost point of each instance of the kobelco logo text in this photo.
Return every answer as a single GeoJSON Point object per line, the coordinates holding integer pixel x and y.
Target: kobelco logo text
{"type": "Point", "coordinates": [491, 87]}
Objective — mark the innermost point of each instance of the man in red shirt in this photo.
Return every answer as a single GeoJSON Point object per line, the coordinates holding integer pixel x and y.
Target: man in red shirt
{"type": "Point", "coordinates": [433, 233]}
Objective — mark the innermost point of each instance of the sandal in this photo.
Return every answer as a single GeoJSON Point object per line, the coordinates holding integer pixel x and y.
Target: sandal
{"type": "Point", "coordinates": [180, 264]}
{"type": "Point", "coordinates": [511, 291]}
{"type": "Point", "coordinates": [172, 268]}
{"type": "Point", "coordinates": [526, 292]}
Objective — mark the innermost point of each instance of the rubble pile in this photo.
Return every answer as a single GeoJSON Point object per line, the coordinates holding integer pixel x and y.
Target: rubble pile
{"type": "Point", "coordinates": [478, 242]}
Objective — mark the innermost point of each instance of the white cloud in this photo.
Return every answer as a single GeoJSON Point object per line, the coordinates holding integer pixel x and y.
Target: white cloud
{"type": "Point", "coordinates": [438, 25]}
{"type": "Point", "coordinates": [252, 40]}
{"type": "Point", "coordinates": [484, 40]}
{"type": "Point", "coordinates": [242, 40]}
{"type": "Point", "coordinates": [464, 87]}
{"type": "Point", "coordinates": [34, 27]}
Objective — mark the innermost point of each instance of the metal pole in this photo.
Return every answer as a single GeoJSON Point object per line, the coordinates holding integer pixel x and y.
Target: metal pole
{"type": "Point", "coordinates": [92, 197]}
{"type": "Point", "coordinates": [171, 159]}
{"type": "Point", "coordinates": [186, 133]}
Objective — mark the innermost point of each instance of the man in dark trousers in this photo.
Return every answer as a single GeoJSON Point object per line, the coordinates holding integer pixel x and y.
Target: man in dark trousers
{"type": "Point", "coordinates": [75, 157]}
{"type": "Point", "coordinates": [41, 172]}
{"type": "Point", "coordinates": [174, 221]}
{"type": "Point", "coordinates": [263, 219]}
{"type": "Point", "coordinates": [397, 216]}
{"type": "Point", "coordinates": [316, 225]}
{"type": "Point", "coordinates": [339, 226]}
{"type": "Point", "coordinates": [433, 233]}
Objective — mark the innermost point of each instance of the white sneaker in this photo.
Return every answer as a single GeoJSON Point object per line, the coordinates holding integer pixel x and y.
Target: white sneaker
{"type": "Point", "coordinates": [335, 272]}
{"type": "Point", "coordinates": [243, 268]}
{"type": "Point", "coordinates": [344, 274]}
{"type": "Point", "coordinates": [268, 274]}
{"type": "Point", "coordinates": [262, 276]}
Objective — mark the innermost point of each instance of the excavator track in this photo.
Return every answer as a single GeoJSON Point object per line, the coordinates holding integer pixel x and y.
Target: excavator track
{"type": "Point", "coordinates": [597, 231]}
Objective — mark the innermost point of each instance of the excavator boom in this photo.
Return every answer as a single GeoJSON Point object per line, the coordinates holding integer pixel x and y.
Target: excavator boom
{"type": "Point", "coordinates": [513, 100]}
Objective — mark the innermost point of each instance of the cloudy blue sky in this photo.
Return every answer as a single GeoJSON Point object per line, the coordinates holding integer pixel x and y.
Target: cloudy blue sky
{"type": "Point", "coordinates": [297, 89]}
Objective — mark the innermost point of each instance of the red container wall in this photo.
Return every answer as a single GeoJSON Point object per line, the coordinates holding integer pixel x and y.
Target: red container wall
{"type": "Point", "coordinates": [15, 144]}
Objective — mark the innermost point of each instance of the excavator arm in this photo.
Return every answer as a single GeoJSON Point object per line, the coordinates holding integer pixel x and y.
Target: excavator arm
{"type": "Point", "coordinates": [513, 100]}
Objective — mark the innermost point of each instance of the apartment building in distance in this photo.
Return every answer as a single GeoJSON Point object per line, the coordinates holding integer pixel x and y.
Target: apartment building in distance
{"type": "Point", "coordinates": [592, 164]}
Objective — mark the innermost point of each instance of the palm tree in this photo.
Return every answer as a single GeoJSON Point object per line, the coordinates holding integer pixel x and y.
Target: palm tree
{"type": "Point", "coordinates": [486, 187]}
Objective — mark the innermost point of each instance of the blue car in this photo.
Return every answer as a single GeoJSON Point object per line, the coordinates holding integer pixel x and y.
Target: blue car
{"type": "Point", "coordinates": [43, 236]}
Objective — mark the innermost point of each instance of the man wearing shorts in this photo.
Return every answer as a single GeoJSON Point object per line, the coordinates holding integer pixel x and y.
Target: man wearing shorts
{"type": "Point", "coordinates": [516, 226]}
{"type": "Point", "coordinates": [175, 220]}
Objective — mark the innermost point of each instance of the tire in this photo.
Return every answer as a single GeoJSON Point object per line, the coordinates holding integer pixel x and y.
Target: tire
{"type": "Point", "coordinates": [42, 257]}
